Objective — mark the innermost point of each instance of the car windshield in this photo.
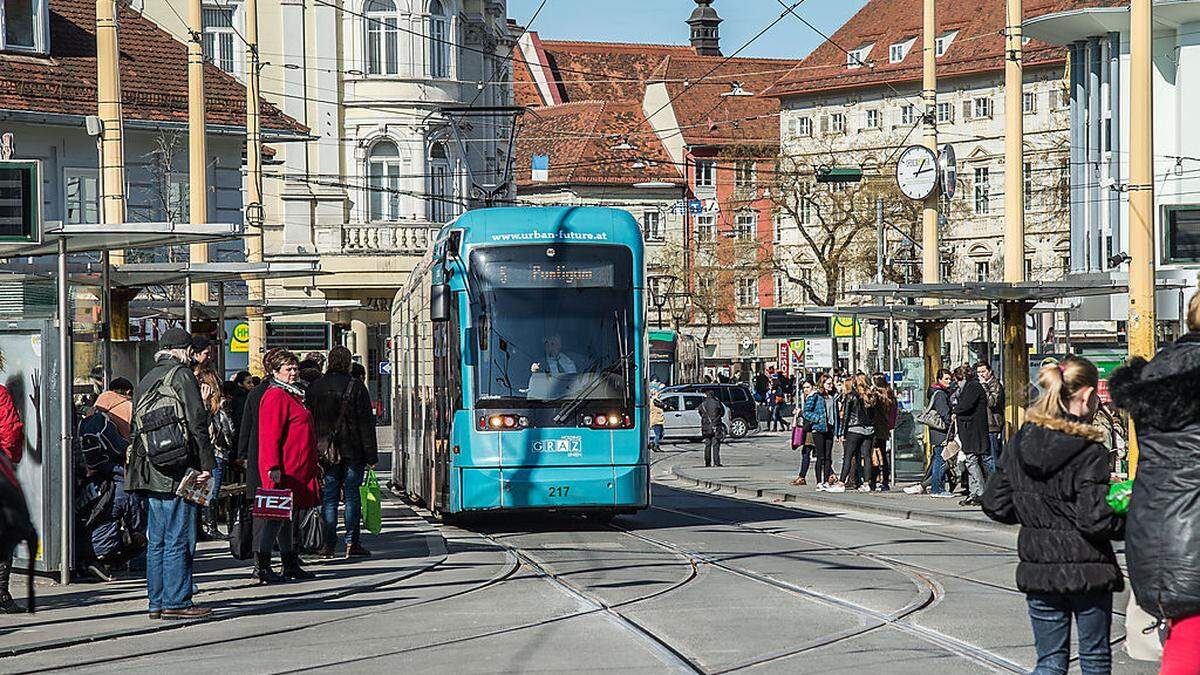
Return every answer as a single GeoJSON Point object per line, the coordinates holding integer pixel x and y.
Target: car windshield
{"type": "Point", "coordinates": [556, 321]}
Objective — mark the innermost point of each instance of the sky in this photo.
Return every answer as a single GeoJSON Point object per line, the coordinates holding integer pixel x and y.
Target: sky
{"type": "Point", "coordinates": [662, 22]}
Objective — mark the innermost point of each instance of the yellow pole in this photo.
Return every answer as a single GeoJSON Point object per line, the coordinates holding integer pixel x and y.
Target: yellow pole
{"type": "Point", "coordinates": [1014, 353]}
{"type": "Point", "coordinates": [197, 145]}
{"type": "Point", "coordinates": [254, 199]}
{"type": "Point", "coordinates": [1141, 192]}
{"type": "Point", "coordinates": [112, 146]}
{"type": "Point", "coordinates": [930, 256]}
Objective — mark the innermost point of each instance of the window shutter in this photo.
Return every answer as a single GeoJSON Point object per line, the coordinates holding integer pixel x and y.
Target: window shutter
{"type": "Point", "coordinates": [967, 110]}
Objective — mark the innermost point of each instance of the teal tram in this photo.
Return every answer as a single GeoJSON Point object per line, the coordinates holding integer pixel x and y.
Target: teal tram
{"type": "Point", "coordinates": [519, 351]}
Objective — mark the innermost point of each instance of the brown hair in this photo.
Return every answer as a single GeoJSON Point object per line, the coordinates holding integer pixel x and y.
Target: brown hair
{"type": "Point", "coordinates": [1193, 315]}
{"type": "Point", "coordinates": [339, 360]}
{"type": "Point", "coordinates": [822, 380]}
{"type": "Point", "coordinates": [865, 389]}
{"type": "Point", "coordinates": [277, 358]}
{"type": "Point", "coordinates": [884, 389]}
{"type": "Point", "coordinates": [209, 377]}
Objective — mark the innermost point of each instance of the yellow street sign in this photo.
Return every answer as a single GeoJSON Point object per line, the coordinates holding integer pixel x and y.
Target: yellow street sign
{"type": "Point", "coordinates": [846, 327]}
{"type": "Point", "coordinates": [241, 338]}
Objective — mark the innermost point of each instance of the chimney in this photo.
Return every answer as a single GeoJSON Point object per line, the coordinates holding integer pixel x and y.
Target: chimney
{"type": "Point", "coordinates": [706, 34]}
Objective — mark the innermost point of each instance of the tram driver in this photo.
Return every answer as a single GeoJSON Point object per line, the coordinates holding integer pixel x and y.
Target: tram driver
{"type": "Point", "coordinates": [555, 361]}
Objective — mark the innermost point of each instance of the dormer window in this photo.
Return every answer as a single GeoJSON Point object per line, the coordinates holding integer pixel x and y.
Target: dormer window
{"type": "Point", "coordinates": [858, 57]}
{"type": "Point", "coordinates": [23, 26]}
{"type": "Point", "coordinates": [942, 44]}
{"type": "Point", "coordinates": [899, 50]}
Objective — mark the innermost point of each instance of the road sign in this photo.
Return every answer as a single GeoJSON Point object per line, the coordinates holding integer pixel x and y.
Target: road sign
{"type": "Point", "coordinates": [385, 367]}
{"type": "Point", "coordinates": [20, 201]}
{"type": "Point", "coordinates": [846, 327]}
{"type": "Point", "coordinates": [818, 353]}
{"type": "Point", "coordinates": [948, 164]}
{"type": "Point", "coordinates": [240, 341]}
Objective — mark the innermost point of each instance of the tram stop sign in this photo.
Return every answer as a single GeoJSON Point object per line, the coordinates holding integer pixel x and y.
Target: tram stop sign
{"type": "Point", "coordinates": [20, 201]}
{"type": "Point", "coordinates": [241, 338]}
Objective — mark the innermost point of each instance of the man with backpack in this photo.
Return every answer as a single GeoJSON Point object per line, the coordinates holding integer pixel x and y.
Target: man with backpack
{"type": "Point", "coordinates": [170, 425]}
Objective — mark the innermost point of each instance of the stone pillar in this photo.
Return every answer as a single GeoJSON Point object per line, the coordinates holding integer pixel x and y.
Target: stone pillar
{"type": "Point", "coordinates": [358, 329]}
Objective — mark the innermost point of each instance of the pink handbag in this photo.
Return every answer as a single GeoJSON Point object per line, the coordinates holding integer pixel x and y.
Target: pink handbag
{"type": "Point", "coordinates": [272, 504]}
{"type": "Point", "coordinates": [797, 437]}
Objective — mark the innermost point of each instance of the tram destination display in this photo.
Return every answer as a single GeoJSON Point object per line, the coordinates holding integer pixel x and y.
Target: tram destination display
{"type": "Point", "coordinates": [549, 274]}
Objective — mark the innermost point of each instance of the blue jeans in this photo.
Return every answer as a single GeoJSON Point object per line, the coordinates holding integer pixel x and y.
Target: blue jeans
{"type": "Point", "coordinates": [342, 480]}
{"type": "Point", "coordinates": [171, 542]}
{"type": "Point", "coordinates": [1051, 619]}
{"type": "Point", "coordinates": [656, 436]}
{"type": "Point", "coordinates": [937, 477]}
{"type": "Point", "coordinates": [215, 482]}
{"type": "Point", "coordinates": [997, 446]}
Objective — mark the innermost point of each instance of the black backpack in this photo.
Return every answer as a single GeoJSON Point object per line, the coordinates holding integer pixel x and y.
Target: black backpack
{"type": "Point", "coordinates": [159, 423]}
{"type": "Point", "coordinates": [15, 525]}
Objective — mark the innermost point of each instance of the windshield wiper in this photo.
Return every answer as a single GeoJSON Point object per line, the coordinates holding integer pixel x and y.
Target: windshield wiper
{"type": "Point", "coordinates": [571, 406]}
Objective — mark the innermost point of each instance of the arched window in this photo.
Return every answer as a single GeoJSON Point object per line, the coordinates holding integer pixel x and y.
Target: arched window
{"type": "Point", "coordinates": [440, 185]}
{"type": "Point", "coordinates": [383, 182]}
{"type": "Point", "coordinates": [439, 41]}
{"type": "Point", "coordinates": [383, 50]}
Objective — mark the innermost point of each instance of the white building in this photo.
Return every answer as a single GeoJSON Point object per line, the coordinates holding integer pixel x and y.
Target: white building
{"type": "Point", "coordinates": [1097, 38]}
{"type": "Point", "coordinates": [370, 78]}
{"type": "Point", "coordinates": [860, 107]}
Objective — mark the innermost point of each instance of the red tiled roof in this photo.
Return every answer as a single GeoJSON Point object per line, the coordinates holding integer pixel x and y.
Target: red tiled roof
{"type": "Point", "coordinates": [594, 71]}
{"type": "Point", "coordinates": [153, 74]}
{"type": "Point", "coordinates": [579, 137]}
{"type": "Point", "coordinates": [978, 46]}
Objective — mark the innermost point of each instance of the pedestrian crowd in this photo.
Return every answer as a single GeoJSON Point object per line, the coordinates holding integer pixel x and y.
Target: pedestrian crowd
{"type": "Point", "coordinates": [183, 454]}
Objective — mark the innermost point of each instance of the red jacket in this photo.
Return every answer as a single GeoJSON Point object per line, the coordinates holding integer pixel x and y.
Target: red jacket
{"type": "Point", "coordinates": [12, 430]}
{"type": "Point", "coordinates": [287, 441]}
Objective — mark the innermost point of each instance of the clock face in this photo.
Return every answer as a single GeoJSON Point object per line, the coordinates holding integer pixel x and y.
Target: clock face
{"type": "Point", "coordinates": [917, 172]}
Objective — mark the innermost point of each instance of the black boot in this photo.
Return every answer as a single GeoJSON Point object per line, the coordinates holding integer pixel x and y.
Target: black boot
{"type": "Point", "coordinates": [292, 568]}
{"type": "Point", "coordinates": [7, 604]}
{"type": "Point", "coordinates": [263, 571]}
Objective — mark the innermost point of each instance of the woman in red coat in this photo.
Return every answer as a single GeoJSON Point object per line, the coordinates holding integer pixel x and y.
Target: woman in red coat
{"type": "Point", "coordinates": [287, 459]}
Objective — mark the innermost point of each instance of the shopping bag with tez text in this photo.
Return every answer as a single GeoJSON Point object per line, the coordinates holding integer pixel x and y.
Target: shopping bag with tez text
{"type": "Point", "coordinates": [272, 504]}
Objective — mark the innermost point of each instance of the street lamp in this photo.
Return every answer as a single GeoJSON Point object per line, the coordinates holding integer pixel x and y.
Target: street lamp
{"type": "Point", "coordinates": [662, 286]}
{"type": "Point", "coordinates": [681, 307]}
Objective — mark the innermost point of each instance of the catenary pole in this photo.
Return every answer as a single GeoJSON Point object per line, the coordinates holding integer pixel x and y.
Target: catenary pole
{"type": "Point", "coordinates": [197, 145]}
{"type": "Point", "coordinates": [1141, 193]}
{"type": "Point", "coordinates": [1014, 352]}
{"type": "Point", "coordinates": [112, 151]}
{"type": "Point", "coordinates": [254, 199]}
{"type": "Point", "coordinates": [931, 331]}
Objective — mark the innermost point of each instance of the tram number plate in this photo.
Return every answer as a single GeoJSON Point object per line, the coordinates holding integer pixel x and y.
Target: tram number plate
{"type": "Point", "coordinates": [558, 491]}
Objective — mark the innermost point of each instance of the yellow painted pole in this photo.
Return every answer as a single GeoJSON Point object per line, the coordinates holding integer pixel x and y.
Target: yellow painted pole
{"type": "Point", "coordinates": [1014, 353]}
{"type": "Point", "coordinates": [197, 143]}
{"type": "Point", "coordinates": [254, 198]}
{"type": "Point", "coordinates": [1141, 192]}
{"type": "Point", "coordinates": [930, 256]}
{"type": "Point", "coordinates": [112, 147]}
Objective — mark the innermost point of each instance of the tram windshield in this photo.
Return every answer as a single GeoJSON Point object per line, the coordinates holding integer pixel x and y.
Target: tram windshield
{"type": "Point", "coordinates": [556, 321]}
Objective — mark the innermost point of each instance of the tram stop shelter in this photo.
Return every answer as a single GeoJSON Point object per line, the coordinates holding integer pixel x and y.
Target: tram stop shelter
{"type": "Point", "coordinates": [39, 370]}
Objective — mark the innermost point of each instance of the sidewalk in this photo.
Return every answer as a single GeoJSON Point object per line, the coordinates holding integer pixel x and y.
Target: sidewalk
{"type": "Point", "coordinates": [764, 466]}
{"type": "Point", "coordinates": [88, 611]}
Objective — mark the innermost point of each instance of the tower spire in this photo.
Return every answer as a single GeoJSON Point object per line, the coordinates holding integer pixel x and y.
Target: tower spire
{"type": "Point", "coordinates": [706, 31]}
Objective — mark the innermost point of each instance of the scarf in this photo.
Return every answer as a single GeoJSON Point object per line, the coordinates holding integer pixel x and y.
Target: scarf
{"type": "Point", "coordinates": [289, 388]}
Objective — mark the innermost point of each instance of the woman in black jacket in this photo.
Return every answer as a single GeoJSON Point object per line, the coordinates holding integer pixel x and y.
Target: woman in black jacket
{"type": "Point", "coordinates": [858, 429]}
{"type": "Point", "coordinates": [1163, 550]}
{"type": "Point", "coordinates": [1053, 480]}
{"type": "Point", "coordinates": [972, 420]}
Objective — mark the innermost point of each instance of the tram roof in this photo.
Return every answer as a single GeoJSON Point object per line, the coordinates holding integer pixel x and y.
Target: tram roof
{"type": "Point", "coordinates": [539, 224]}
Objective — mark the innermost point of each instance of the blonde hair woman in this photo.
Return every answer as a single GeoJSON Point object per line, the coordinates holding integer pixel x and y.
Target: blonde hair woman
{"type": "Point", "coordinates": [1052, 481]}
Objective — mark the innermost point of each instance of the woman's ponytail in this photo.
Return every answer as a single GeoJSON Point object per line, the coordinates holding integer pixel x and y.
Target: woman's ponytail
{"type": "Point", "coordinates": [1060, 382]}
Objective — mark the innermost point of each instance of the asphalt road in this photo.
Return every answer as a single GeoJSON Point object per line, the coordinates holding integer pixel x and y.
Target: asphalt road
{"type": "Point", "coordinates": [698, 583]}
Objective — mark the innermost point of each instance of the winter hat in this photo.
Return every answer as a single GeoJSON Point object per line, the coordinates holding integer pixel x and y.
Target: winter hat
{"type": "Point", "coordinates": [175, 338]}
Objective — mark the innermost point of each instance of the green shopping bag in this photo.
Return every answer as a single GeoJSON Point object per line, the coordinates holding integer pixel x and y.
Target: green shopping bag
{"type": "Point", "coordinates": [372, 503]}
{"type": "Point", "coordinates": [1119, 495]}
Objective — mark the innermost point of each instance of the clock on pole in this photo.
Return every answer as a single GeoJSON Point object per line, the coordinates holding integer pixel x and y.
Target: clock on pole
{"type": "Point", "coordinates": [917, 172]}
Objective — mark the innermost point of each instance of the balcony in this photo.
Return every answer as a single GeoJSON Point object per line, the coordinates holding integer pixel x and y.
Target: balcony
{"type": "Point", "coordinates": [380, 238]}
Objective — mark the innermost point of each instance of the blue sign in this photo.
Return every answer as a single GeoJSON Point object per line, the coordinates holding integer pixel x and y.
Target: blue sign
{"type": "Point", "coordinates": [385, 367]}
{"type": "Point", "coordinates": [694, 206]}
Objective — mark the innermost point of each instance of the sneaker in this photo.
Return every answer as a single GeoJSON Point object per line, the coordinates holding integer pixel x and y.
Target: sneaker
{"type": "Point", "coordinates": [326, 553]}
{"type": "Point", "coordinates": [942, 495]}
{"type": "Point", "coordinates": [357, 550]}
{"type": "Point", "coordinates": [914, 489]}
{"type": "Point", "coordinates": [864, 488]}
{"type": "Point", "coordinates": [10, 606]}
{"type": "Point", "coordinates": [969, 501]}
{"type": "Point", "coordinates": [799, 480]}
{"type": "Point", "coordinates": [837, 487]}
{"type": "Point", "coordinates": [821, 487]}
{"type": "Point", "coordinates": [885, 488]}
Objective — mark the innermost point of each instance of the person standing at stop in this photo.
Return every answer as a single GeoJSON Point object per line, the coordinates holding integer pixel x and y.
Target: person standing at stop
{"type": "Point", "coordinates": [712, 412]}
{"type": "Point", "coordinates": [12, 444]}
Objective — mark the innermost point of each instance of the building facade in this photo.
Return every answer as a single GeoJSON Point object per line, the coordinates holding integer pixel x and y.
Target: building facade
{"type": "Point", "coordinates": [1096, 36]}
{"type": "Point", "coordinates": [680, 137]}
{"type": "Point", "coordinates": [389, 161]}
{"type": "Point", "coordinates": [860, 106]}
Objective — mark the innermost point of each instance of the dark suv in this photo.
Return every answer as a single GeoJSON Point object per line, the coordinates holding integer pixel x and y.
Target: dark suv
{"type": "Point", "coordinates": [743, 415]}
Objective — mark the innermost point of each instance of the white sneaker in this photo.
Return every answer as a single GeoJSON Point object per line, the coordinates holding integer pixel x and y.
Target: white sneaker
{"type": "Point", "coordinates": [864, 488]}
{"type": "Point", "coordinates": [837, 487]}
{"type": "Point", "coordinates": [914, 489]}
{"type": "Point", "coordinates": [820, 487]}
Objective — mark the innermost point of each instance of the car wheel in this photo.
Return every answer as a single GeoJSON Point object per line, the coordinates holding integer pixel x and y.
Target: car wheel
{"type": "Point", "coordinates": [738, 428]}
